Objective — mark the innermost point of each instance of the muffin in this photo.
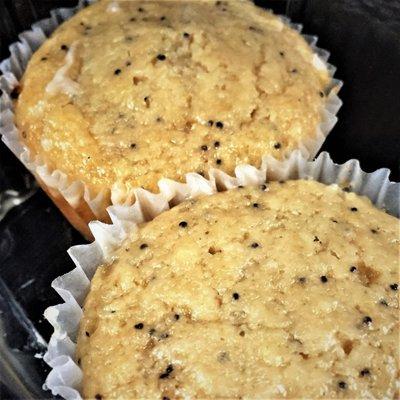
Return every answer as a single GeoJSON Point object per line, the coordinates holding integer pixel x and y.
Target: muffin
{"type": "Point", "coordinates": [283, 290]}
{"type": "Point", "coordinates": [126, 93]}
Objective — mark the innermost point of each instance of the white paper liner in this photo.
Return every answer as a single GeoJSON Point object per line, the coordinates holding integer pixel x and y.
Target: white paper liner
{"type": "Point", "coordinates": [65, 377]}
{"type": "Point", "coordinates": [76, 192]}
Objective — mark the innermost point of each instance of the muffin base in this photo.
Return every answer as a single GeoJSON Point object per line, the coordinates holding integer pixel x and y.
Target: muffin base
{"type": "Point", "coordinates": [78, 216]}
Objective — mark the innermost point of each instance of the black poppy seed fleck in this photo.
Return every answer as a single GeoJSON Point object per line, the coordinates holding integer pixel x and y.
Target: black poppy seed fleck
{"type": "Point", "coordinates": [294, 71]}
{"type": "Point", "coordinates": [219, 161]}
{"type": "Point", "coordinates": [164, 336]}
{"type": "Point", "coordinates": [365, 372]}
{"type": "Point", "coordinates": [128, 63]}
{"type": "Point", "coordinates": [353, 268]}
{"type": "Point", "coordinates": [383, 302]}
{"type": "Point", "coordinates": [323, 279]}
{"type": "Point", "coordinates": [117, 71]}
{"type": "Point", "coordinates": [219, 124]}
{"type": "Point", "coordinates": [133, 145]}
{"type": "Point", "coordinates": [302, 279]}
{"type": "Point", "coordinates": [263, 187]}
{"type": "Point", "coordinates": [394, 286]}
{"type": "Point", "coordinates": [367, 320]}
{"type": "Point", "coordinates": [79, 361]}
{"type": "Point", "coordinates": [186, 35]}
{"type": "Point", "coordinates": [98, 396]}
{"type": "Point", "coordinates": [204, 147]}
{"type": "Point", "coordinates": [140, 325]}
{"type": "Point", "coordinates": [165, 398]}
{"type": "Point", "coordinates": [374, 231]}
{"type": "Point", "coordinates": [64, 47]}
{"type": "Point", "coordinates": [218, 3]}
{"type": "Point", "coordinates": [140, 9]}
{"type": "Point", "coordinates": [342, 385]}
{"type": "Point", "coordinates": [133, 19]}
{"type": "Point", "coordinates": [353, 209]}
{"type": "Point", "coordinates": [14, 93]}
{"type": "Point", "coordinates": [162, 18]}
{"type": "Point", "coordinates": [210, 123]}
{"type": "Point", "coordinates": [161, 57]}
{"type": "Point", "coordinates": [242, 333]}
{"type": "Point", "coordinates": [277, 146]}
{"type": "Point", "coordinates": [183, 224]}
{"type": "Point", "coordinates": [217, 144]}
{"type": "Point", "coordinates": [282, 182]}
{"type": "Point", "coordinates": [347, 189]}
{"type": "Point", "coordinates": [321, 94]}
{"type": "Point", "coordinates": [255, 245]}
{"type": "Point", "coordinates": [177, 316]}
{"type": "Point", "coordinates": [43, 59]}
{"type": "Point", "coordinates": [316, 239]}
{"type": "Point", "coordinates": [255, 205]}
{"type": "Point", "coordinates": [235, 296]}
{"type": "Point", "coordinates": [167, 372]}
{"type": "Point", "coordinates": [240, 187]}
{"type": "Point", "coordinates": [113, 311]}
{"type": "Point", "coordinates": [282, 53]}
{"type": "Point", "coordinates": [152, 331]}
{"type": "Point", "coordinates": [334, 220]}
{"type": "Point", "coordinates": [143, 246]}
{"type": "Point", "coordinates": [87, 333]}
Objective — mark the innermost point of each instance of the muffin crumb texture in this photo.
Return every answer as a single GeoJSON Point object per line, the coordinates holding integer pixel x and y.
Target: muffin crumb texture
{"type": "Point", "coordinates": [129, 92]}
{"type": "Point", "coordinates": [216, 298]}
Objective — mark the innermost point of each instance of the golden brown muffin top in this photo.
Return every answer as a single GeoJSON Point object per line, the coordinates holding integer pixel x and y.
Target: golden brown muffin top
{"type": "Point", "coordinates": [129, 92]}
{"type": "Point", "coordinates": [289, 291]}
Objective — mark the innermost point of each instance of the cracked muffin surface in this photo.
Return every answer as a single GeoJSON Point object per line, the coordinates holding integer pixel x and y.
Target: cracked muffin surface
{"type": "Point", "coordinates": [125, 93]}
{"type": "Point", "coordinates": [288, 290]}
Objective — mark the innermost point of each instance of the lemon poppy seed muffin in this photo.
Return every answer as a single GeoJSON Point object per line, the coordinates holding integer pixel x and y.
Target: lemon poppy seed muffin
{"type": "Point", "coordinates": [125, 93]}
{"type": "Point", "coordinates": [280, 291]}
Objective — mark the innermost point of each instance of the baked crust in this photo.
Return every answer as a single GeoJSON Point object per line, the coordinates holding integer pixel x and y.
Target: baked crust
{"type": "Point", "coordinates": [289, 291]}
{"type": "Point", "coordinates": [125, 93]}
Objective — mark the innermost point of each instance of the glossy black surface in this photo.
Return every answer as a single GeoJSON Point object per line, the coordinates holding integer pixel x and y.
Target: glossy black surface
{"type": "Point", "coordinates": [364, 39]}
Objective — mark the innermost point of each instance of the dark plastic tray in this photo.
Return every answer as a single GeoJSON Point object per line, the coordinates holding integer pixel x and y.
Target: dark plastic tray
{"type": "Point", "coordinates": [363, 38]}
